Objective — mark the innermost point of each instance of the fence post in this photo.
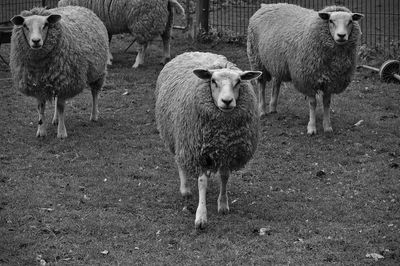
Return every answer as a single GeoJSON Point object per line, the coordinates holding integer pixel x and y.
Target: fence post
{"type": "Point", "coordinates": [203, 14]}
{"type": "Point", "coordinates": [43, 3]}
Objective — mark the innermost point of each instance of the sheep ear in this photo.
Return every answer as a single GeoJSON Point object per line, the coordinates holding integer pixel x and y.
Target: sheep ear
{"type": "Point", "coordinates": [18, 20]}
{"type": "Point", "coordinates": [53, 18]}
{"type": "Point", "coordinates": [324, 15]}
{"type": "Point", "coordinates": [249, 75]}
{"type": "Point", "coordinates": [203, 73]}
{"type": "Point", "coordinates": [357, 16]}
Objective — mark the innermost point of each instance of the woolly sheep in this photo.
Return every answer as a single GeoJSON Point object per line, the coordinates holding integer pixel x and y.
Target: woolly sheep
{"type": "Point", "coordinates": [206, 113]}
{"type": "Point", "coordinates": [54, 54]}
{"type": "Point", "coordinates": [144, 19]}
{"type": "Point", "coordinates": [314, 50]}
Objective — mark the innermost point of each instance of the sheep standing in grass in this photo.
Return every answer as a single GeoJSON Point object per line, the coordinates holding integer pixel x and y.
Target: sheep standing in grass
{"type": "Point", "coordinates": [144, 19]}
{"type": "Point", "coordinates": [56, 53]}
{"type": "Point", "coordinates": [206, 112]}
{"type": "Point", "coordinates": [314, 50]}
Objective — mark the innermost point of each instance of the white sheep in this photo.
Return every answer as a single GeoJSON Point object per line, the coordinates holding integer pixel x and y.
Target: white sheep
{"type": "Point", "coordinates": [314, 50]}
{"type": "Point", "coordinates": [144, 19]}
{"type": "Point", "coordinates": [56, 53]}
{"type": "Point", "coordinates": [207, 115]}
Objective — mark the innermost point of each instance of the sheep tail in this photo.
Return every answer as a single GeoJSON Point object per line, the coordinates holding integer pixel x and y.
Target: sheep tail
{"type": "Point", "coordinates": [178, 8]}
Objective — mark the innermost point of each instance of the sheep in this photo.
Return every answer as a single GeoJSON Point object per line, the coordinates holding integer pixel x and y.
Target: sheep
{"type": "Point", "coordinates": [144, 19]}
{"type": "Point", "coordinates": [315, 50]}
{"type": "Point", "coordinates": [206, 113]}
{"type": "Point", "coordinates": [55, 53]}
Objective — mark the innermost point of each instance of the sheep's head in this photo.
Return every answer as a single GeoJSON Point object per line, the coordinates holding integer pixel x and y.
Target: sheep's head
{"type": "Point", "coordinates": [224, 85]}
{"type": "Point", "coordinates": [340, 24]}
{"type": "Point", "coordinates": [35, 28]}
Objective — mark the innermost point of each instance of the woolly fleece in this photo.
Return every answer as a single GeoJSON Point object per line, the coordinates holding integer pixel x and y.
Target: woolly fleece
{"type": "Point", "coordinates": [200, 135]}
{"type": "Point", "coordinates": [291, 43]}
{"type": "Point", "coordinates": [73, 55]}
{"type": "Point", "coordinates": [144, 19]}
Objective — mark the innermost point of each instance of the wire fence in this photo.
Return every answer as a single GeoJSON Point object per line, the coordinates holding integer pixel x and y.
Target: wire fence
{"type": "Point", "coordinates": [380, 25]}
{"type": "Point", "coordinates": [10, 8]}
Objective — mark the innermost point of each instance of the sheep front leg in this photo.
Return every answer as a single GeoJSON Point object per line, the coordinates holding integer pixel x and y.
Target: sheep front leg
{"type": "Point", "coordinates": [94, 116]}
{"type": "Point", "coordinates": [311, 128]}
{"type": "Point", "coordinates": [55, 116]}
{"type": "Point", "coordinates": [184, 187]}
{"type": "Point", "coordinates": [261, 96]}
{"type": "Point", "coordinates": [327, 113]}
{"type": "Point", "coordinates": [276, 84]}
{"type": "Point", "coordinates": [61, 130]}
{"type": "Point", "coordinates": [140, 55]}
{"type": "Point", "coordinates": [201, 213]}
{"type": "Point", "coordinates": [166, 37]}
{"type": "Point", "coordinates": [223, 206]}
{"type": "Point", "coordinates": [41, 132]}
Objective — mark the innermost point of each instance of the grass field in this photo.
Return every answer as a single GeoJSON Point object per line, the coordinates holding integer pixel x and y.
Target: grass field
{"type": "Point", "coordinates": [109, 193]}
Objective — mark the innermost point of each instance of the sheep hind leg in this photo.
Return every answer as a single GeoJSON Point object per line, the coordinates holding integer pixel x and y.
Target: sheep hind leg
{"type": "Point", "coordinates": [201, 213]}
{"type": "Point", "coordinates": [55, 116]}
{"type": "Point", "coordinates": [311, 128]}
{"type": "Point", "coordinates": [326, 99]}
{"type": "Point", "coordinates": [166, 37]}
{"type": "Point", "coordinates": [261, 92]}
{"type": "Point", "coordinates": [276, 84]}
{"type": "Point", "coordinates": [140, 56]}
{"type": "Point", "coordinates": [61, 130]}
{"type": "Point", "coordinates": [223, 206]}
{"type": "Point", "coordinates": [184, 186]}
{"type": "Point", "coordinates": [95, 88]}
{"type": "Point", "coordinates": [41, 106]}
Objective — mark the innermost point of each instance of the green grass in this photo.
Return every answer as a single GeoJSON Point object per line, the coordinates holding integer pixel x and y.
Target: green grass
{"type": "Point", "coordinates": [112, 186]}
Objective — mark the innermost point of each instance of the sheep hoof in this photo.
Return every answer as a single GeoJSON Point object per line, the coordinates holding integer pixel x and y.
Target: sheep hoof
{"type": "Point", "coordinates": [201, 224]}
{"type": "Point", "coordinates": [54, 121]}
{"type": "Point", "coordinates": [187, 195]}
{"type": "Point", "coordinates": [328, 130]}
{"type": "Point", "coordinates": [41, 133]}
{"type": "Point", "coordinates": [311, 132]}
{"type": "Point", "coordinates": [62, 135]}
{"type": "Point", "coordinates": [223, 210]}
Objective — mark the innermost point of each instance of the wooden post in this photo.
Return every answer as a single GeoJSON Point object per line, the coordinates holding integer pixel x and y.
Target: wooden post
{"type": "Point", "coordinates": [203, 14]}
{"type": "Point", "coordinates": [43, 3]}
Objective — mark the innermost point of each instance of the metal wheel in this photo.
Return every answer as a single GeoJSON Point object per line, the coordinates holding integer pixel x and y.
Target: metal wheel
{"type": "Point", "coordinates": [388, 71]}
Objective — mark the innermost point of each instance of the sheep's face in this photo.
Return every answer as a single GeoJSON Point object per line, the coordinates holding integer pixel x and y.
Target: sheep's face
{"type": "Point", "coordinates": [340, 24]}
{"type": "Point", "coordinates": [224, 85]}
{"type": "Point", "coordinates": [35, 28]}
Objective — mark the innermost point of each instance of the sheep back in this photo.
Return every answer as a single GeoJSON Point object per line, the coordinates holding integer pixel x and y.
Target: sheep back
{"type": "Point", "coordinates": [73, 55]}
{"type": "Point", "coordinates": [144, 19]}
{"type": "Point", "coordinates": [294, 44]}
{"type": "Point", "coordinates": [200, 135]}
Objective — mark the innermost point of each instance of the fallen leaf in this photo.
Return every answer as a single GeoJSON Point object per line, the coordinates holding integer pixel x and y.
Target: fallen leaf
{"type": "Point", "coordinates": [105, 252]}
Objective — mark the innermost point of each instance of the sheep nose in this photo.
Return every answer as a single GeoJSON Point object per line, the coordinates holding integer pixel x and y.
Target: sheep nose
{"type": "Point", "coordinates": [36, 40]}
{"type": "Point", "coordinates": [227, 102]}
{"type": "Point", "coordinates": [341, 36]}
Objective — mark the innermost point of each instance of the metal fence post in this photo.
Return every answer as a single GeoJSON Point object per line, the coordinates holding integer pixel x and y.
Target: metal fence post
{"type": "Point", "coordinates": [203, 14]}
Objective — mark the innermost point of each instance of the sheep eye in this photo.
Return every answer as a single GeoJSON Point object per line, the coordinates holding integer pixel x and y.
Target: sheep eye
{"type": "Point", "coordinates": [46, 25]}
{"type": "Point", "coordinates": [25, 26]}
{"type": "Point", "coordinates": [331, 21]}
{"type": "Point", "coordinates": [213, 82]}
{"type": "Point", "coordinates": [350, 22]}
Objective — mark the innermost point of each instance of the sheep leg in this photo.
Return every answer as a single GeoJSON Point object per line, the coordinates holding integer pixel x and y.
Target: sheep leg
{"type": "Point", "coordinates": [55, 116]}
{"type": "Point", "coordinates": [166, 37]}
{"type": "Point", "coordinates": [326, 99]}
{"type": "Point", "coordinates": [140, 55]}
{"type": "Point", "coordinates": [41, 106]}
{"type": "Point", "coordinates": [261, 95]}
{"type": "Point", "coordinates": [311, 128]}
{"type": "Point", "coordinates": [184, 187]}
{"type": "Point", "coordinates": [61, 130]}
{"type": "Point", "coordinates": [201, 213]}
{"type": "Point", "coordinates": [223, 206]}
{"type": "Point", "coordinates": [96, 87]}
{"type": "Point", "coordinates": [110, 57]}
{"type": "Point", "coordinates": [276, 84]}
